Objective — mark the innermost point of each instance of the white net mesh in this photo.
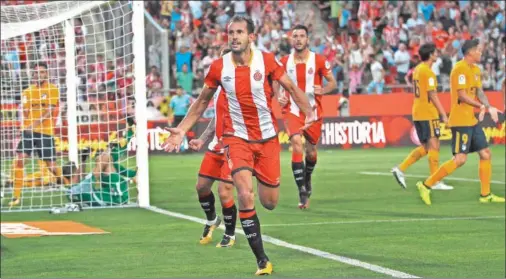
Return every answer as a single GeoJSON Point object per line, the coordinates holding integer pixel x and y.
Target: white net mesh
{"type": "Point", "coordinates": [36, 121]}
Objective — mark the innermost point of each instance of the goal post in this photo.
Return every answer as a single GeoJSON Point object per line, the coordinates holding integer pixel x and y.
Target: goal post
{"type": "Point", "coordinates": [72, 101]}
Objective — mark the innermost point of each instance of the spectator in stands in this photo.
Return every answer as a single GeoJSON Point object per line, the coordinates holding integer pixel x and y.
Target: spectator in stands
{"type": "Point", "coordinates": [378, 76]}
{"type": "Point", "coordinates": [185, 79]}
{"type": "Point", "coordinates": [179, 105]}
{"type": "Point", "coordinates": [402, 59]}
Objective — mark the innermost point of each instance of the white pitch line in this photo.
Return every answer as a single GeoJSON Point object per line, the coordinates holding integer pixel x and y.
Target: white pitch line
{"type": "Point", "coordinates": [315, 252]}
{"type": "Point", "coordinates": [425, 176]}
{"type": "Point", "coordinates": [385, 221]}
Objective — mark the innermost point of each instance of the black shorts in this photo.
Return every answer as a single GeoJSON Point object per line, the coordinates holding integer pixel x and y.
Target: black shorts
{"type": "Point", "coordinates": [427, 129]}
{"type": "Point", "coordinates": [177, 120]}
{"type": "Point", "coordinates": [468, 139]}
{"type": "Point", "coordinates": [42, 145]}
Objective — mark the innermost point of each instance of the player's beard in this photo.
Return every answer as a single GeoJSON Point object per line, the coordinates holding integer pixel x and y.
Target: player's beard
{"type": "Point", "coordinates": [243, 47]}
{"type": "Point", "coordinates": [300, 50]}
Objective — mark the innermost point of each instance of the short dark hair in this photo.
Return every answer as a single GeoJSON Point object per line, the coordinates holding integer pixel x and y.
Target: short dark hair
{"type": "Point", "coordinates": [468, 45]}
{"type": "Point", "coordinates": [40, 64]}
{"type": "Point", "coordinates": [301, 27]}
{"type": "Point", "coordinates": [250, 26]}
{"type": "Point", "coordinates": [426, 50]}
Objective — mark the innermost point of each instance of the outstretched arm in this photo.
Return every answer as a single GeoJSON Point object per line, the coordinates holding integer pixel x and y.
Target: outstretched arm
{"type": "Point", "coordinates": [197, 109]}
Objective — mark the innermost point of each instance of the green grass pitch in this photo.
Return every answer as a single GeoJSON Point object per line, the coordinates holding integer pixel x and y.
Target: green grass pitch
{"type": "Point", "coordinates": [364, 217]}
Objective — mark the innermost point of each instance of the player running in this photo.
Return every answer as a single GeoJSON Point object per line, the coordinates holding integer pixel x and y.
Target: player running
{"type": "Point", "coordinates": [214, 167]}
{"type": "Point", "coordinates": [467, 135]}
{"type": "Point", "coordinates": [40, 104]}
{"type": "Point", "coordinates": [426, 112]}
{"type": "Point", "coordinates": [250, 130]}
{"type": "Point", "coordinates": [307, 70]}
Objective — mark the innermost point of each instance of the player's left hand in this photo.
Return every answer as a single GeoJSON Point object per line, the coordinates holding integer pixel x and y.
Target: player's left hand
{"type": "Point", "coordinates": [481, 116]}
{"type": "Point", "coordinates": [196, 144]}
{"type": "Point", "coordinates": [310, 118]}
{"type": "Point", "coordinates": [318, 90]}
{"type": "Point", "coordinates": [173, 142]}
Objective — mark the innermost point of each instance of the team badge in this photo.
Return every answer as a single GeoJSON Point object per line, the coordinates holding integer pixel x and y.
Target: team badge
{"type": "Point", "coordinates": [327, 65]}
{"type": "Point", "coordinates": [462, 79]}
{"type": "Point", "coordinates": [257, 76]}
{"type": "Point", "coordinates": [310, 71]}
{"type": "Point", "coordinates": [44, 96]}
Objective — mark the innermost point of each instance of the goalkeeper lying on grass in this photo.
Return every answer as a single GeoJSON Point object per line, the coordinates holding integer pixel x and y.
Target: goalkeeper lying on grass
{"type": "Point", "coordinates": [107, 183]}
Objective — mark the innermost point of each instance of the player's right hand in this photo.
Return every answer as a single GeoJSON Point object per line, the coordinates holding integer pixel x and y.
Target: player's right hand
{"type": "Point", "coordinates": [196, 144]}
{"type": "Point", "coordinates": [444, 118]}
{"type": "Point", "coordinates": [173, 142]}
{"type": "Point", "coordinates": [481, 116]}
{"type": "Point", "coordinates": [283, 100]}
{"type": "Point", "coordinates": [493, 114]}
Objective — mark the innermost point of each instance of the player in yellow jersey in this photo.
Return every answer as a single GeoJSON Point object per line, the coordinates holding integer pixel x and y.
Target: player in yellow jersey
{"type": "Point", "coordinates": [467, 135]}
{"type": "Point", "coordinates": [40, 102]}
{"type": "Point", "coordinates": [426, 112]}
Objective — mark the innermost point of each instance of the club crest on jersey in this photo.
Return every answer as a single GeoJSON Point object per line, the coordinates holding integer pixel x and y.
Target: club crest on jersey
{"type": "Point", "coordinates": [327, 65]}
{"type": "Point", "coordinates": [44, 96]}
{"type": "Point", "coordinates": [310, 71]}
{"type": "Point", "coordinates": [257, 76]}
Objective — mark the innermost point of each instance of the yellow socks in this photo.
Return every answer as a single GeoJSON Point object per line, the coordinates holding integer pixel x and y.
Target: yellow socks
{"type": "Point", "coordinates": [18, 170]}
{"type": "Point", "coordinates": [447, 168]}
{"type": "Point", "coordinates": [414, 156]}
{"type": "Point", "coordinates": [433, 161]}
{"type": "Point", "coordinates": [485, 170]}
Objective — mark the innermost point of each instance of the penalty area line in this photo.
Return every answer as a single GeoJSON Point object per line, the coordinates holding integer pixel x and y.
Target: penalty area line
{"type": "Point", "coordinates": [425, 176]}
{"type": "Point", "coordinates": [304, 249]}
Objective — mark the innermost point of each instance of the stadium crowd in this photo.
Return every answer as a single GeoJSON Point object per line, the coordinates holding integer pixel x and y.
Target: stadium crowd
{"type": "Point", "coordinates": [372, 46]}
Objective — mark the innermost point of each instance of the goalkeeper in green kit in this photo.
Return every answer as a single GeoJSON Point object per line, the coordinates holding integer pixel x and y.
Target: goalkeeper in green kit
{"type": "Point", "coordinates": [107, 183]}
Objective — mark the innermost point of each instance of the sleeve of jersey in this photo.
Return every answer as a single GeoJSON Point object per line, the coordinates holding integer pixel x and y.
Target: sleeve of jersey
{"type": "Point", "coordinates": [54, 96]}
{"type": "Point", "coordinates": [431, 82]}
{"type": "Point", "coordinates": [274, 67]}
{"type": "Point", "coordinates": [323, 65]}
{"type": "Point", "coordinates": [459, 79]}
{"type": "Point", "coordinates": [478, 78]}
{"type": "Point", "coordinates": [212, 79]}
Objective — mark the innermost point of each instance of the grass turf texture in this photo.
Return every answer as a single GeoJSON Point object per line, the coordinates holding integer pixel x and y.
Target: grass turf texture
{"type": "Point", "coordinates": [147, 244]}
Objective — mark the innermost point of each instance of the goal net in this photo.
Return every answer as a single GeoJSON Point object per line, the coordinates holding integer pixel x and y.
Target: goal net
{"type": "Point", "coordinates": [69, 118]}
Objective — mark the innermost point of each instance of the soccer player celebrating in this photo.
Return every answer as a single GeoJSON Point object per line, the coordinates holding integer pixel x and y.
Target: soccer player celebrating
{"type": "Point", "coordinates": [39, 102]}
{"type": "Point", "coordinates": [214, 167]}
{"type": "Point", "coordinates": [250, 130]}
{"type": "Point", "coordinates": [306, 69]}
{"type": "Point", "coordinates": [426, 112]}
{"type": "Point", "coordinates": [467, 135]}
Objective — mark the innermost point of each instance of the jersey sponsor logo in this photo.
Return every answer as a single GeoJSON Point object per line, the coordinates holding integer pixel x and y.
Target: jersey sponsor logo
{"type": "Point", "coordinates": [310, 71]}
{"type": "Point", "coordinates": [227, 79]}
{"type": "Point", "coordinates": [327, 65]}
{"type": "Point", "coordinates": [462, 79]}
{"type": "Point", "coordinates": [431, 82]}
{"type": "Point", "coordinates": [257, 76]}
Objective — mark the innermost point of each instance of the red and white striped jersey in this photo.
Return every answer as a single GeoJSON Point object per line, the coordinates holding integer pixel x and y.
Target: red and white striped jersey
{"type": "Point", "coordinates": [248, 94]}
{"type": "Point", "coordinates": [220, 104]}
{"type": "Point", "coordinates": [306, 76]}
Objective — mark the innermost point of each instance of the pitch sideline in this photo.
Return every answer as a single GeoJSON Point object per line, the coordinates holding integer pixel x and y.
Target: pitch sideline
{"type": "Point", "coordinates": [304, 249]}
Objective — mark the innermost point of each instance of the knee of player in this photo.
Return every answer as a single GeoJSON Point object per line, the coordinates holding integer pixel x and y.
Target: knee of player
{"type": "Point", "coordinates": [269, 205]}
{"type": "Point", "coordinates": [202, 188]}
{"type": "Point", "coordinates": [485, 154]}
{"type": "Point", "coordinates": [297, 144]}
{"type": "Point", "coordinates": [460, 159]}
